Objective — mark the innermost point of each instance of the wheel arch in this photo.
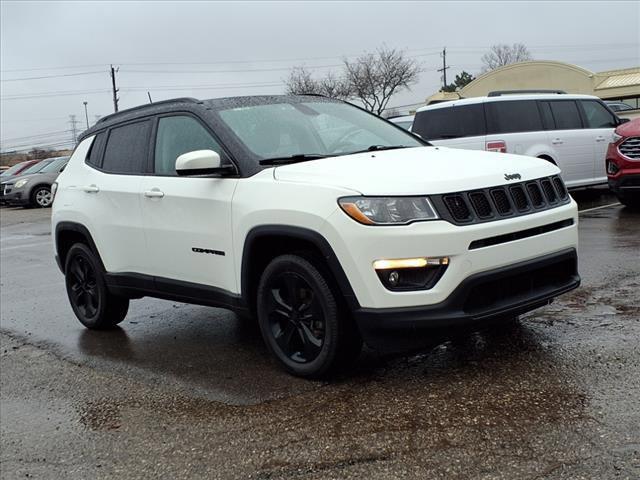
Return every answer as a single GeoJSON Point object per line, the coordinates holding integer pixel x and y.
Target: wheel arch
{"type": "Point", "coordinates": [69, 233]}
{"type": "Point", "coordinates": [265, 242]}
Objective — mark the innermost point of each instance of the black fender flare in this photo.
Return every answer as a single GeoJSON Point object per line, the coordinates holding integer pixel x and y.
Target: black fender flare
{"type": "Point", "coordinates": [77, 228]}
{"type": "Point", "coordinates": [299, 233]}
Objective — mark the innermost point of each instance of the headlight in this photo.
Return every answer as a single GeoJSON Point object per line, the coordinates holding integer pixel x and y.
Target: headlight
{"type": "Point", "coordinates": [388, 210]}
{"type": "Point", "coordinates": [21, 183]}
{"type": "Point", "coordinates": [616, 137]}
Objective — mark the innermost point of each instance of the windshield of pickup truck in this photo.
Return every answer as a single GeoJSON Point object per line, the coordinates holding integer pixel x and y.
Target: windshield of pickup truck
{"type": "Point", "coordinates": [312, 130]}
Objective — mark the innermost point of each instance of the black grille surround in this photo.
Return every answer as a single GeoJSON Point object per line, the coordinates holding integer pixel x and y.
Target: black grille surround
{"type": "Point", "coordinates": [505, 201]}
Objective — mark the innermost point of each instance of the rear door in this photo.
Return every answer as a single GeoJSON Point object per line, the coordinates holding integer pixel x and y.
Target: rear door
{"type": "Point", "coordinates": [571, 142]}
{"type": "Point", "coordinates": [518, 124]}
{"type": "Point", "coordinates": [187, 219]}
{"type": "Point", "coordinates": [109, 184]}
{"type": "Point", "coordinates": [456, 126]}
{"type": "Point", "coordinates": [600, 123]}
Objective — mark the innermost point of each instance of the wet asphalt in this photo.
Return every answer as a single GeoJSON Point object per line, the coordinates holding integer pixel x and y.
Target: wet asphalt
{"type": "Point", "coordinates": [183, 391]}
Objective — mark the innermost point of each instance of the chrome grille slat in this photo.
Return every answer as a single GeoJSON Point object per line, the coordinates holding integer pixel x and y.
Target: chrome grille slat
{"type": "Point", "coordinates": [630, 148]}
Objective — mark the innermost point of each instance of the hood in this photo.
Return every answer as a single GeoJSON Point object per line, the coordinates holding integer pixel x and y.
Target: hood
{"type": "Point", "coordinates": [416, 171]}
{"type": "Point", "coordinates": [629, 129]}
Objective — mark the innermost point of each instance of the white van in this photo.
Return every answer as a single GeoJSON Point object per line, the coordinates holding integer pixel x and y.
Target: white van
{"type": "Point", "coordinates": [571, 131]}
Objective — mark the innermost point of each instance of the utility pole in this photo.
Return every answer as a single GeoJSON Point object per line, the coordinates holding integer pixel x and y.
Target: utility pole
{"type": "Point", "coordinates": [74, 130]}
{"type": "Point", "coordinates": [86, 115]}
{"type": "Point", "coordinates": [113, 86]}
{"type": "Point", "coordinates": [444, 66]}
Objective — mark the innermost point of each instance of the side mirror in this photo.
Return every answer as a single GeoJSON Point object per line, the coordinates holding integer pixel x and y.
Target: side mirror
{"type": "Point", "coordinates": [623, 120]}
{"type": "Point", "coordinates": [201, 162]}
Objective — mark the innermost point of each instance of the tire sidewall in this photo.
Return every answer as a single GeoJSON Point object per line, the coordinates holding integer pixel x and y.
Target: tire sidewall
{"type": "Point", "coordinates": [86, 253]}
{"type": "Point", "coordinates": [297, 265]}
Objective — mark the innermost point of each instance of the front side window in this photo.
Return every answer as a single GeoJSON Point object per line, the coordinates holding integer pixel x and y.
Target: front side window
{"type": "Point", "coordinates": [513, 116]}
{"type": "Point", "coordinates": [597, 115]}
{"type": "Point", "coordinates": [178, 135]}
{"type": "Point", "coordinates": [450, 122]}
{"type": "Point", "coordinates": [566, 115]}
{"type": "Point", "coordinates": [127, 148]}
{"type": "Point", "coordinates": [311, 128]}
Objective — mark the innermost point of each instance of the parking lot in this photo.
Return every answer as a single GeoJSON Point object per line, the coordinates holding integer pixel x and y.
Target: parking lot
{"type": "Point", "coordinates": [183, 391]}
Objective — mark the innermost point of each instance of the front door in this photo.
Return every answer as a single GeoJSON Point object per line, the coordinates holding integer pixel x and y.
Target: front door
{"type": "Point", "coordinates": [187, 219]}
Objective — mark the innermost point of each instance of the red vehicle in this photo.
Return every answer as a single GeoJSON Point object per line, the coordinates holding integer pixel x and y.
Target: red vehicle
{"type": "Point", "coordinates": [623, 163]}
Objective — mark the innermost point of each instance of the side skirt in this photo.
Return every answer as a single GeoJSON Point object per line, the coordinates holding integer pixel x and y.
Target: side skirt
{"type": "Point", "coordinates": [136, 285]}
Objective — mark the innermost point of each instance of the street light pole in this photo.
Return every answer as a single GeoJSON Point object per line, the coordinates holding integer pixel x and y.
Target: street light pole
{"type": "Point", "coordinates": [86, 115]}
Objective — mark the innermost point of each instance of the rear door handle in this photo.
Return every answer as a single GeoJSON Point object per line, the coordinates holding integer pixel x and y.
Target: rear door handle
{"type": "Point", "coordinates": [557, 141]}
{"type": "Point", "coordinates": [154, 193]}
{"type": "Point", "coordinates": [600, 139]}
{"type": "Point", "coordinates": [91, 189]}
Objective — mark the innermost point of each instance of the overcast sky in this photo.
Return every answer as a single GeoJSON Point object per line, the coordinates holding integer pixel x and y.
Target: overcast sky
{"type": "Point", "coordinates": [220, 49]}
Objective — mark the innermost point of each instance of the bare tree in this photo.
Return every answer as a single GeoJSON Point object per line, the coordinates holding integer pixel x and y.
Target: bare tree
{"type": "Point", "coordinates": [301, 82]}
{"type": "Point", "coordinates": [375, 77]}
{"type": "Point", "coordinates": [502, 54]}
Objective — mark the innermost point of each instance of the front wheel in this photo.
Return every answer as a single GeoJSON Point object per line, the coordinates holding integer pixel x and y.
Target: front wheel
{"type": "Point", "coordinates": [91, 301]}
{"type": "Point", "coordinates": [42, 197]}
{"type": "Point", "coordinates": [301, 319]}
{"type": "Point", "coordinates": [631, 202]}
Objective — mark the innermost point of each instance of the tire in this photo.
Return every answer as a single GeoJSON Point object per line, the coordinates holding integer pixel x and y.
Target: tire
{"type": "Point", "coordinates": [301, 318]}
{"type": "Point", "coordinates": [91, 301]}
{"type": "Point", "coordinates": [41, 197]}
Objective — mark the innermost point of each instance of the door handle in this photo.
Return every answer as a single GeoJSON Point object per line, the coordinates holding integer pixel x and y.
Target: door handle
{"type": "Point", "coordinates": [154, 193]}
{"type": "Point", "coordinates": [600, 139]}
{"type": "Point", "coordinates": [557, 141]}
{"type": "Point", "coordinates": [91, 188]}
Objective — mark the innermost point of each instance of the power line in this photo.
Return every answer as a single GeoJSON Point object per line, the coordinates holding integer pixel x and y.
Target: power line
{"type": "Point", "coordinates": [50, 76]}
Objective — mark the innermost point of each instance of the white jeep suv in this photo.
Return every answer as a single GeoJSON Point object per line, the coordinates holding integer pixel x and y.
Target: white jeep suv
{"type": "Point", "coordinates": [570, 131]}
{"type": "Point", "coordinates": [327, 223]}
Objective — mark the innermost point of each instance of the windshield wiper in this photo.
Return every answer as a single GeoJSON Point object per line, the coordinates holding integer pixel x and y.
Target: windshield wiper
{"type": "Point", "coordinates": [302, 157]}
{"type": "Point", "coordinates": [377, 148]}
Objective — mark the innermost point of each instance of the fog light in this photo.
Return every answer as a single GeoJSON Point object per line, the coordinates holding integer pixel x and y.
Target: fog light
{"type": "Point", "coordinates": [612, 168]}
{"type": "Point", "coordinates": [407, 274]}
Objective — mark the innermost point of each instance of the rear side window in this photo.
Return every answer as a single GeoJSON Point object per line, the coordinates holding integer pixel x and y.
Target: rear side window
{"type": "Point", "coordinates": [450, 122]}
{"type": "Point", "coordinates": [596, 115]}
{"type": "Point", "coordinates": [178, 135]}
{"type": "Point", "coordinates": [127, 148]}
{"type": "Point", "coordinates": [513, 116]}
{"type": "Point", "coordinates": [94, 157]}
{"type": "Point", "coordinates": [566, 115]}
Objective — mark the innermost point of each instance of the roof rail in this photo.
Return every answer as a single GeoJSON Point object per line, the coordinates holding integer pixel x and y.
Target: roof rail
{"type": "Point", "coordinates": [498, 93]}
{"type": "Point", "coordinates": [147, 105]}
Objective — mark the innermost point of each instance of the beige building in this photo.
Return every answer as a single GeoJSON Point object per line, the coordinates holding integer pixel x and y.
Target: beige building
{"type": "Point", "coordinates": [623, 85]}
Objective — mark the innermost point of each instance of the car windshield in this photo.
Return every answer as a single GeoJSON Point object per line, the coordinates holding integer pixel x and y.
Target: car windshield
{"type": "Point", "coordinates": [54, 166]}
{"type": "Point", "coordinates": [311, 130]}
{"type": "Point", "coordinates": [11, 170]}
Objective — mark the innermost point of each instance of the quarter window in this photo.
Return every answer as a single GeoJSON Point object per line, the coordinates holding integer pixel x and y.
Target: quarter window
{"type": "Point", "coordinates": [597, 115]}
{"type": "Point", "coordinates": [450, 122]}
{"type": "Point", "coordinates": [513, 116]}
{"type": "Point", "coordinates": [566, 116]}
{"type": "Point", "coordinates": [127, 148]}
{"type": "Point", "coordinates": [178, 135]}
{"type": "Point", "coordinates": [93, 157]}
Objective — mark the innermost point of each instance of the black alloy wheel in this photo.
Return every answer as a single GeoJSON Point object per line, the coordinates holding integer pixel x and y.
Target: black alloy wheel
{"type": "Point", "coordinates": [94, 305]}
{"type": "Point", "coordinates": [296, 318]}
{"type": "Point", "coordinates": [302, 319]}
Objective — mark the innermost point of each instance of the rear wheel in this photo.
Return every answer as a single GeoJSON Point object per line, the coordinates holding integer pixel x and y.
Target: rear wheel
{"type": "Point", "coordinates": [93, 304]}
{"type": "Point", "coordinates": [302, 321]}
{"type": "Point", "coordinates": [42, 197]}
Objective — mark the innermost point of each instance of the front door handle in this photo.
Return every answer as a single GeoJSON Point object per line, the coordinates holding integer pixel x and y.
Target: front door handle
{"type": "Point", "coordinates": [154, 193]}
{"type": "Point", "coordinates": [557, 141]}
{"type": "Point", "coordinates": [91, 188]}
{"type": "Point", "coordinates": [600, 139]}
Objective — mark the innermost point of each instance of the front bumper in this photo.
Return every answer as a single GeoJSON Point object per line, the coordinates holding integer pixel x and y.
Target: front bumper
{"type": "Point", "coordinates": [480, 298]}
{"type": "Point", "coordinates": [625, 184]}
{"type": "Point", "coordinates": [10, 195]}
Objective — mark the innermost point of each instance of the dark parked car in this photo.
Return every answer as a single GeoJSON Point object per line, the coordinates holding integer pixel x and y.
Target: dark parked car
{"type": "Point", "coordinates": [34, 187]}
